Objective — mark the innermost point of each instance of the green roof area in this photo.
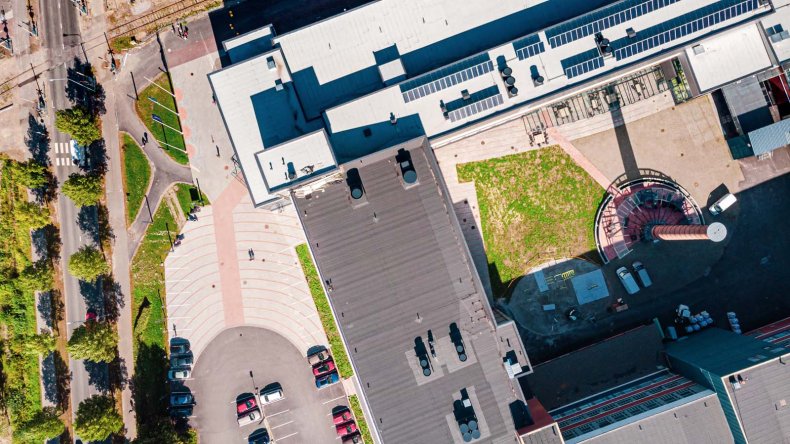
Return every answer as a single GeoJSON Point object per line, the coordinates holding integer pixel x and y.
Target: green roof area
{"type": "Point", "coordinates": [722, 352]}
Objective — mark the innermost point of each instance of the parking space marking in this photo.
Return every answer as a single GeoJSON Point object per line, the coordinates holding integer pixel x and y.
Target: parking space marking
{"type": "Point", "coordinates": [333, 400]}
{"type": "Point", "coordinates": [287, 436]}
{"type": "Point", "coordinates": [280, 425]}
{"type": "Point", "coordinates": [275, 414]}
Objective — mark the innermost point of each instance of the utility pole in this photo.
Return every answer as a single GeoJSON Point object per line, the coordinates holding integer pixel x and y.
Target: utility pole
{"type": "Point", "coordinates": [113, 67]}
{"type": "Point", "coordinates": [42, 104]}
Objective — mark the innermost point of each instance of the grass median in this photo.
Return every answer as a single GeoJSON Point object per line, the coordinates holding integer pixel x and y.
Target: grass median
{"type": "Point", "coordinates": [324, 312]}
{"type": "Point", "coordinates": [156, 99]}
{"type": "Point", "coordinates": [534, 206]}
{"type": "Point", "coordinates": [362, 425]}
{"type": "Point", "coordinates": [136, 176]}
{"type": "Point", "coordinates": [149, 323]}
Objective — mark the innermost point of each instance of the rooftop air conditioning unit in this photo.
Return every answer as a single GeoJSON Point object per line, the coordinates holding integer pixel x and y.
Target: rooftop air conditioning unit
{"type": "Point", "coordinates": [270, 63]}
{"type": "Point", "coordinates": [278, 85]}
{"type": "Point", "coordinates": [465, 94]}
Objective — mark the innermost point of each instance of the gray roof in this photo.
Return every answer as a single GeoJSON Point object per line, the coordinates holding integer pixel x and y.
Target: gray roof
{"type": "Point", "coordinates": [398, 267]}
{"type": "Point", "coordinates": [701, 421]}
{"type": "Point", "coordinates": [771, 137]}
{"type": "Point", "coordinates": [547, 435]}
{"type": "Point", "coordinates": [759, 402]}
{"type": "Point", "coordinates": [596, 368]}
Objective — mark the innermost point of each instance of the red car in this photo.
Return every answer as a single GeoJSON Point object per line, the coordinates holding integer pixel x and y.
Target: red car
{"type": "Point", "coordinates": [323, 368]}
{"type": "Point", "coordinates": [246, 405]}
{"type": "Point", "coordinates": [90, 315]}
{"type": "Point", "coordinates": [342, 417]}
{"type": "Point", "coordinates": [346, 429]}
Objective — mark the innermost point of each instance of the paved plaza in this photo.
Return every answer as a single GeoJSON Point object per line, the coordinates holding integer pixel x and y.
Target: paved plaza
{"type": "Point", "coordinates": [212, 283]}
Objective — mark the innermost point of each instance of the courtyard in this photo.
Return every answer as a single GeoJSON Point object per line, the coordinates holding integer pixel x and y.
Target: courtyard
{"type": "Point", "coordinates": [537, 216]}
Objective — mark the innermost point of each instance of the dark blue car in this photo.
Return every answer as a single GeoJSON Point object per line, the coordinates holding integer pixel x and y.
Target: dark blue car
{"type": "Point", "coordinates": [326, 380]}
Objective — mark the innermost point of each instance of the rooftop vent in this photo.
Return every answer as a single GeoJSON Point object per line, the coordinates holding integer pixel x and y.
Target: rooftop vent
{"type": "Point", "coordinates": [270, 63]}
{"type": "Point", "coordinates": [408, 173]}
{"type": "Point", "coordinates": [422, 356]}
{"type": "Point", "coordinates": [458, 341]}
{"type": "Point", "coordinates": [393, 119]}
{"type": "Point", "coordinates": [537, 79]}
{"type": "Point", "coordinates": [465, 94]}
{"type": "Point", "coordinates": [698, 49]}
{"type": "Point", "coordinates": [354, 182]}
{"type": "Point", "coordinates": [604, 47]}
{"type": "Point", "coordinates": [506, 72]}
{"type": "Point", "coordinates": [278, 85]}
{"type": "Point", "coordinates": [630, 33]}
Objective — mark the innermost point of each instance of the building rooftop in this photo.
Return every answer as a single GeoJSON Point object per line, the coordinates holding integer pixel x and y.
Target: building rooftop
{"type": "Point", "coordinates": [777, 26]}
{"type": "Point", "coordinates": [728, 57]}
{"type": "Point", "coordinates": [591, 370]}
{"type": "Point", "coordinates": [777, 333]}
{"type": "Point", "coordinates": [762, 401]}
{"type": "Point", "coordinates": [700, 421]}
{"type": "Point", "coordinates": [396, 267]}
{"type": "Point", "coordinates": [297, 160]}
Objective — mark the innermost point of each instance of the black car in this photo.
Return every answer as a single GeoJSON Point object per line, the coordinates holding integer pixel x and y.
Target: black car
{"type": "Point", "coordinates": [260, 436]}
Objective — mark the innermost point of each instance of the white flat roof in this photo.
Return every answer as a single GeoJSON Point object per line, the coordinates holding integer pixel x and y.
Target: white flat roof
{"type": "Point", "coordinates": [296, 160]}
{"type": "Point", "coordinates": [247, 37]}
{"type": "Point", "coordinates": [345, 44]}
{"type": "Point", "coordinates": [376, 107]}
{"type": "Point", "coordinates": [728, 57]}
{"type": "Point", "coordinates": [234, 88]}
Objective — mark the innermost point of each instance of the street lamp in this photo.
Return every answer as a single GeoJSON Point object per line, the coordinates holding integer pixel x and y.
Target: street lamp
{"type": "Point", "coordinates": [74, 81]}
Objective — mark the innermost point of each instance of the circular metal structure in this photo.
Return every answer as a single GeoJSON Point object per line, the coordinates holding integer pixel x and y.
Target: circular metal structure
{"type": "Point", "coordinates": [410, 176]}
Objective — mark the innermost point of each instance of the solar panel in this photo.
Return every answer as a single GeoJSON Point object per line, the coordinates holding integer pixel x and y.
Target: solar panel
{"type": "Point", "coordinates": [529, 46]}
{"type": "Point", "coordinates": [474, 108]}
{"type": "Point", "coordinates": [582, 63]}
{"type": "Point", "coordinates": [682, 26]}
{"type": "Point", "coordinates": [446, 77]}
{"type": "Point", "coordinates": [605, 18]}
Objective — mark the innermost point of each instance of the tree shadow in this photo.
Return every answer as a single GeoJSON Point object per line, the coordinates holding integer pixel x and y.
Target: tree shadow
{"type": "Point", "coordinates": [92, 294]}
{"type": "Point", "coordinates": [113, 298]}
{"type": "Point", "coordinates": [118, 374]}
{"type": "Point", "coordinates": [45, 307]}
{"type": "Point", "coordinates": [98, 375]}
{"type": "Point", "coordinates": [55, 378]}
{"type": "Point", "coordinates": [96, 158]}
{"type": "Point", "coordinates": [105, 229]}
{"type": "Point", "coordinates": [88, 221]}
{"type": "Point", "coordinates": [82, 89]}
{"type": "Point", "coordinates": [37, 140]}
{"type": "Point", "coordinates": [46, 242]}
{"type": "Point", "coordinates": [149, 387]}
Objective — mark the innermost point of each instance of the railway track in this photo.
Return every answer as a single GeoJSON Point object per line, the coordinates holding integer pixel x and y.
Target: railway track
{"type": "Point", "coordinates": [159, 18]}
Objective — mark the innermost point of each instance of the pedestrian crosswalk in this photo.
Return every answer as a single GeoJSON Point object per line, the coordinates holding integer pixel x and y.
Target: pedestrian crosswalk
{"type": "Point", "coordinates": [63, 155]}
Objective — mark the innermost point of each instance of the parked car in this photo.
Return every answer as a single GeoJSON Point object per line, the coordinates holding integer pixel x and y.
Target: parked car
{"type": "Point", "coordinates": [352, 439]}
{"type": "Point", "coordinates": [346, 429]}
{"type": "Point", "coordinates": [246, 404]}
{"type": "Point", "coordinates": [641, 271]}
{"type": "Point", "coordinates": [181, 399]}
{"type": "Point", "coordinates": [260, 436]}
{"type": "Point", "coordinates": [179, 346]}
{"type": "Point", "coordinates": [722, 204]}
{"type": "Point", "coordinates": [181, 360]}
{"type": "Point", "coordinates": [90, 315]}
{"type": "Point", "coordinates": [178, 374]}
{"type": "Point", "coordinates": [249, 417]}
{"type": "Point", "coordinates": [271, 395]}
{"type": "Point", "coordinates": [342, 417]}
{"type": "Point", "coordinates": [326, 380]}
{"type": "Point", "coordinates": [628, 280]}
{"type": "Point", "coordinates": [323, 368]}
{"type": "Point", "coordinates": [182, 411]}
{"type": "Point", "coordinates": [318, 357]}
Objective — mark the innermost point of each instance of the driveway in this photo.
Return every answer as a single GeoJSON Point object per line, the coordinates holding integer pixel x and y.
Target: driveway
{"type": "Point", "coordinates": [223, 371]}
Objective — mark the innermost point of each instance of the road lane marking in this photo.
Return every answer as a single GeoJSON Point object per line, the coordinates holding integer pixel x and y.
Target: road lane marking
{"type": "Point", "coordinates": [287, 436]}
{"type": "Point", "coordinates": [283, 424]}
{"type": "Point", "coordinates": [275, 414]}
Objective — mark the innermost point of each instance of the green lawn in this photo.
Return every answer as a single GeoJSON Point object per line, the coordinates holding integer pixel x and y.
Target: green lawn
{"type": "Point", "coordinates": [324, 312]}
{"type": "Point", "coordinates": [21, 393]}
{"type": "Point", "coordinates": [362, 425]}
{"type": "Point", "coordinates": [146, 108]}
{"type": "Point", "coordinates": [535, 206]}
{"type": "Point", "coordinates": [136, 176]}
{"type": "Point", "coordinates": [148, 300]}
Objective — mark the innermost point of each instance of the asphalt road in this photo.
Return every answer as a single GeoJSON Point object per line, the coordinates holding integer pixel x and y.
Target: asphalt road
{"type": "Point", "coordinates": [59, 17]}
{"type": "Point", "coordinates": [222, 372]}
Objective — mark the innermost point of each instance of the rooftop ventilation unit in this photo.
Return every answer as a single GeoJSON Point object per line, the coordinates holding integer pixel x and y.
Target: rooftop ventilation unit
{"type": "Point", "coordinates": [630, 33]}
{"type": "Point", "coordinates": [537, 79]}
{"type": "Point", "coordinates": [465, 94]}
{"type": "Point", "coordinates": [393, 119]}
{"type": "Point", "coordinates": [458, 342]}
{"type": "Point", "coordinates": [506, 72]}
{"type": "Point", "coordinates": [354, 182]}
{"type": "Point", "coordinates": [278, 85]}
{"type": "Point", "coordinates": [604, 46]}
{"type": "Point", "coordinates": [270, 63]}
{"type": "Point", "coordinates": [408, 173]}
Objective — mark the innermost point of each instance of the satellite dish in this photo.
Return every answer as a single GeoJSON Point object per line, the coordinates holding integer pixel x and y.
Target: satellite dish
{"type": "Point", "coordinates": [410, 176]}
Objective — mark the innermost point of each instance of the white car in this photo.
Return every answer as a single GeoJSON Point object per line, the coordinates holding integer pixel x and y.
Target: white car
{"type": "Point", "coordinates": [722, 204]}
{"type": "Point", "coordinates": [249, 418]}
{"type": "Point", "coordinates": [641, 271]}
{"type": "Point", "coordinates": [178, 374]}
{"type": "Point", "coordinates": [628, 280]}
{"type": "Point", "coordinates": [271, 395]}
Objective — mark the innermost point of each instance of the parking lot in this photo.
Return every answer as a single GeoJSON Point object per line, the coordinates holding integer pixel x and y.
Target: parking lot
{"type": "Point", "coordinates": [245, 360]}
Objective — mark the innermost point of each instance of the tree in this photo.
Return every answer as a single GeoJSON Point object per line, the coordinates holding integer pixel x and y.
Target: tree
{"type": "Point", "coordinates": [44, 425]}
{"type": "Point", "coordinates": [97, 419]}
{"type": "Point", "coordinates": [80, 124]}
{"type": "Point", "coordinates": [40, 344]}
{"type": "Point", "coordinates": [83, 189]}
{"type": "Point", "coordinates": [88, 264]}
{"type": "Point", "coordinates": [31, 215]}
{"type": "Point", "coordinates": [94, 341]}
{"type": "Point", "coordinates": [36, 277]}
{"type": "Point", "coordinates": [30, 174]}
